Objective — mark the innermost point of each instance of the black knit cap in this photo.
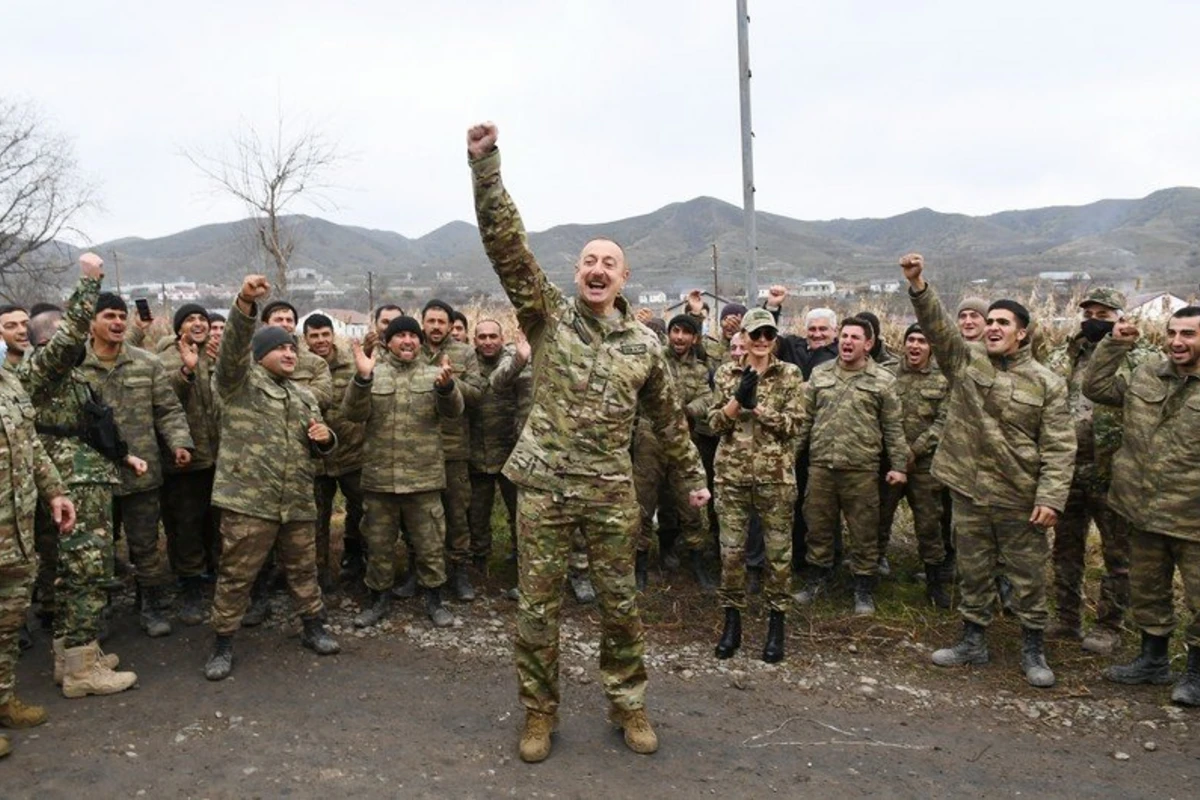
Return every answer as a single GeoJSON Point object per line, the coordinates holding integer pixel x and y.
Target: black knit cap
{"type": "Point", "coordinates": [274, 306]}
{"type": "Point", "coordinates": [267, 339]}
{"type": "Point", "coordinates": [109, 300]}
{"type": "Point", "coordinates": [685, 321]}
{"type": "Point", "coordinates": [185, 311]}
{"type": "Point", "coordinates": [911, 329]}
{"type": "Point", "coordinates": [400, 325]}
{"type": "Point", "coordinates": [1019, 311]}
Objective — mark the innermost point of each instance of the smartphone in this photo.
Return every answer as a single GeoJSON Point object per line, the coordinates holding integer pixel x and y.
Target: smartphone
{"type": "Point", "coordinates": [143, 309]}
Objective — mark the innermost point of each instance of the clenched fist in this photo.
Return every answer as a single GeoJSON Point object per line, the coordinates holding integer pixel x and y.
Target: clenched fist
{"type": "Point", "coordinates": [913, 265]}
{"type": "Point", "coordinates": [91, 266]}
{"type": "Point", "coordinates": [481, 139]}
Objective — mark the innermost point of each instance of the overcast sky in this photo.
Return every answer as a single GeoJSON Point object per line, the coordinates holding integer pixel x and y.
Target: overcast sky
{"type": "Point", "coordinates": [611, 108]}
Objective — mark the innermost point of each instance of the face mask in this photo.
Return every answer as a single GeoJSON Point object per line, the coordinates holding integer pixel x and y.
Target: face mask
{"type": "Point", "coordinates": [1096, 329]}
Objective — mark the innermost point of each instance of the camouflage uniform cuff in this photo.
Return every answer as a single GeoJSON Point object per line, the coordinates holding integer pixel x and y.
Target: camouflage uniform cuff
{"type": "Point", "coordinates": [486, 165]}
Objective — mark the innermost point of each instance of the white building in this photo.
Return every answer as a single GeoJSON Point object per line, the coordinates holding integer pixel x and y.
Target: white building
{"type": "Point", "coordinates": [1156, 307]}
{"type": "Point", "coordinates": [815, 288]}
{"type": "Point", "coordinates": [1064, 277]}
{"type": "Point", "coordinates": [884, 287]}
{"type": "Point", "coordinates": [347, 324]}
{"type": "Point", "coordinates": [653, 298]}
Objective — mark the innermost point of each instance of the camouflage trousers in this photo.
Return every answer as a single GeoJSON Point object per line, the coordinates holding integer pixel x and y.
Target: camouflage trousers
{"type": "Point", "coordinates": [1088, 502]}
{"type": "Point", "coordinates": [924, 496]}
{"type": "Point", "coordinates": [832, 493]}
{"type": "Point", "coordinates": [16, 582]}
{"type": "Point", "coordinates": [245, 543]}
{"type": "Point", "coordinates": [1153, 561]}
{"type": "Point", "coordinates": [456, 500]}
{"type": "Point", "coordinates": [773, 504]}
{"type": "Point", "coordinates": [483, 498]}
{"type": "Point", "coordinates": [660, 489]}
{"type": "Point", "coordinates": [423, 519]}
{"type": "Point", "coordinates": [607, 516]}
{"type": "Point", "coordinates": [189, 521]}
{"type": "Point", "coordinates": [139, 515]}
{"type": "Point", "coordinates": [986, 535]}
{"type": "Point", "coordinates": [84, 565]}
{"type": "Point", "coordinates": [326, 489]}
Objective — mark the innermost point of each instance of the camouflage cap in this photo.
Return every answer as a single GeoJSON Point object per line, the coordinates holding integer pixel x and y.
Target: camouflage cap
{"type": "Point", "coordinates": [1105, 296]}
{"type": "Point", "coordinates": [757, 318]}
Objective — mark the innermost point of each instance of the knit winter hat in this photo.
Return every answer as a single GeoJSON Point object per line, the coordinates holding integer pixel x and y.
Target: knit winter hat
{"type": "Point", "coordinates": [185, 311]}
{"type": "Point", "coordinates": [267, 339]}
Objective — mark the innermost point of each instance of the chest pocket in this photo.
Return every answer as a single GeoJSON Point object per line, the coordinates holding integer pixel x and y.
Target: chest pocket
{"type": "Point", "coordinates": [136, 386]}
{"type": "Point", "coordinates": [1145, 404]}
{"type": "Point", "coordinates": [1025, 410]}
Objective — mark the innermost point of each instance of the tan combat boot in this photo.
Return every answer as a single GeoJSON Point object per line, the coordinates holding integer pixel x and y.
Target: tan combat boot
{"type": "Point", "coordinates": [109, 660]}
{"type": "Point", "coordinates": [639, 735]}
{"type": "Point", "coordinates": [535, 739]}
{"type": "Point", "coordinates": [85, 674]}
{"type": "Point", "coordinates": [15, 714]}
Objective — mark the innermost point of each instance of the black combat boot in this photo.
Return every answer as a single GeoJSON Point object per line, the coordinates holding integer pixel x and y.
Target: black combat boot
{"type": "Point", "coordinates": [408, 588]}
{"type": "Point", "coordinates": [1151, 665]}
{"type": "Point", "coordinates": [773, 652]}
{"type": "Point", "coordinates": [703, 579]}
{"type": "Point", "coordinates": [154, 622]}
{"type": "Point", "coordinates": [220, 661]}
{"type": "Point", "coordinates": [970, 649]}
{"type": "Point", "coordinates": [191, 601]}
{"type": "Point", "coordinates": [1187, 691]}
{"type": "Point", "coordinates": [641, 566]}
{"type": "Point", "coordinates": [731, 636]}
{"type": "Point", "coordinates": [935, 589]}
{"type": "Point", "coordinates": [260, 601]}
{"type": "Point", "coordinates": [864, 599]}
{"type": "Point", "coordinates": [316, 638]}
{"type": "Point", "coordinates": [438, 615]}
{"type": "Point", "coordinates": [381, 604]}
{"type": "Point", "coordinates": [814, 587]}
{"type": "Point", "coordinates": [460, 583]}
{"type": "Point", "coordinates": [1033, 659]}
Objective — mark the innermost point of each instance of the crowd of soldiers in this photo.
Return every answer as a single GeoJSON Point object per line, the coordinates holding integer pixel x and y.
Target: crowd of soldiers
{"type": "Point", "coordinates": [603, 430]}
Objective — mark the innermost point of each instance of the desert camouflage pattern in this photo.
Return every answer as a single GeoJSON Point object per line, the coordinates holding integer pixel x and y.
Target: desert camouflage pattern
{"type": "Point", "coordinates": [422, 517]}
{"type": "Point", "coordinates": [850, 417]}
{"type": "Point", "coordinates": [1155, 559]}
{"type": "Point", "coordinates": [313, 374]}
{"type": "Point", "coordinates": [348, 457]}
{"type": "Point", "coordinates": [773, 503]}
{"type": "Point", "coordinates": [758, 447]}
{"type": "Point", "coordinates": [195, 393]}
{"type": "Point", "coordinates": [15, 583]}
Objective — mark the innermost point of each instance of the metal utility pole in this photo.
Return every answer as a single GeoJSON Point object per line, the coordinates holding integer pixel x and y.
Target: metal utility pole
{"type": "Point", "coordinates": [716, 283]}
{"type": "Point", "coordinates": [743, 20]}
{"type": "Point", "coordinates": [370, 292]}
{"type": "Point", "coordinates": [117, 270]}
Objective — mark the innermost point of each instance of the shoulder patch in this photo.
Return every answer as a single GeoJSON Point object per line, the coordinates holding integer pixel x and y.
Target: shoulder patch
{"type": "Point", "coordinates": [633, 349]}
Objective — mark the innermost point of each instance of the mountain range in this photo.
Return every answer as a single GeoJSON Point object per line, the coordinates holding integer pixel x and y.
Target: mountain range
{"type": "Point", "coordinates": [1154, 240]}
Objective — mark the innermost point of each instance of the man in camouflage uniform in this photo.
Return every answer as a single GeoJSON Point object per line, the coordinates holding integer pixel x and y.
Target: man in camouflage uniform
{"type": "Point", "coordinates": [1007, 452]}
{"type": "Point", "coordinates": [594, 367]}
{"type": "Point", "coordinates": [1156, 488]}
{"type": "Point", "coordinates": [754, 414]}
{"type": "Point", "coordinates": [456, 441]}
{"type": "Point", "coordinates": [189, 519]}
{"type": "Point", "coordinates": [493, 434]}
{"type": "Point", "coordinates": [922, 390]}
{"type": "Point", "coordinates": [1098, 433]}
{"type": "Point", "coordinates": [343, 468]}
{"type": "Point", "coordinates": [28, 472]}
{"type": "Point", "coordinates": [402, 400]}
{"type": "Point", "coordinates": [459, 327]}
{"type": "Point", "coordinates": [382, 317]}
{"type": "Point", "coordinates": [82, 560]}
{"type": "Point", "coordinates": [716, 342]}
{"type": "Point", "coordinates": [851, 422]}
{"type": "Point", "coordinates": [271, 437]}
{"type": "Point", "coordinates": [147, 410]}
{"type": "Point", "coordinates": [14, 330]}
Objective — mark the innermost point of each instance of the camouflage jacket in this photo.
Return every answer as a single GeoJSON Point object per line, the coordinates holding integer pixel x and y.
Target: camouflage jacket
{"type": "Point", "coordinates": [30, 473]}
{"type": "Point", "coordinates": [716, 349]}
{"type": "Point", "coordinates": [403, 412]}
{"type": "Point", "coordinates": [195, 392]}
{"type": "Point", "coordinates": [692, 375]}
{"type": "Point", "coordinates": [1097, 427]}
{"type": "Point", "coordinates": [267, 463]}
{"type": "Point", "coordinates": [851, 417]}
{"type": "Point", "coordinates": [348, 457]}
{"type": "Point", "coordinates": [1008, 439]}
{"type": "Point", "coordinates": [456, 432]}
{"type": "Point", "coordinates": [508, 376]}
{"type": "Point", "coordinates": [146, 409]}
{"type": "Point", "coordinates": [922, 396]}
{"type": "Point", "coordinates": [59, 392]}
{"type": "Point", "coordinates": [493, 421]}
{"type": "Point", "coordinates": [760, 445]}
{"type": "Point", "coordinates": [887, 359]}
{"type": "Point", "coordinates": [590, 374]}
{"type": "Point", "coordinates": [313, 373]}
{"type": "Point", "coordinates": [1153, 484]}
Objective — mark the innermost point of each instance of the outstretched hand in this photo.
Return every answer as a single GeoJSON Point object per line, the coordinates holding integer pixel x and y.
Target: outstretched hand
{"type": "Point", "coordinates": [364, 362]}
{"type": "Point", "coordinates": [445, 376]}
{"type": "Point", "coordinates": [481, 139]}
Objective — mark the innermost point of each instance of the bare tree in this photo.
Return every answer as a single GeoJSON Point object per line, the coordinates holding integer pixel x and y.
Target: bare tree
{"type": "Point", "coordinates": [268, 174]}
{"type": "Point", "coordinates": [40, 192]}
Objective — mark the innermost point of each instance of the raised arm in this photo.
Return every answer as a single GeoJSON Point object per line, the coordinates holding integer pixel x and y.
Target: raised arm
{"type": "Point", "coordinates": [233, 362]}
{"type": "Point", "coordinates": [939, 327]}
{"type": "Point", "coordinates": [1103, 378]}
{"type": "Point", "coordinates": [51, 364]}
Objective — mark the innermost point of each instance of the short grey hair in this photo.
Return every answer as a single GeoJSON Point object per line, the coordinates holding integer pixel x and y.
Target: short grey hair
{"type": "Point", "coordinates": [821, 313]}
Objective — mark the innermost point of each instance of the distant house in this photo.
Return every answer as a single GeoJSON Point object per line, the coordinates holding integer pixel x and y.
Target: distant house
{"type": "Point", "coordinates": [346, 323]}
{"type": "Point", "coordinates": [1064, 277]}
{"type": "Point", "coordinates": [1155, 307]}
{"type": "Point", "coordinates": [815, 288]}
{"type": "Point", "coordinates": [884, 287]}
{"type": "Point", "coordinates": [652, 298]}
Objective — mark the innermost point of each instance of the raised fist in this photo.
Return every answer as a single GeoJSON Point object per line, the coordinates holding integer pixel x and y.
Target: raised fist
{"type": "Point", "coordinates": [481, 139]}
{"type": "Point", "coordinates": [1126, 331]}
{"type": "Point", "coordinates": [254, 288]}
{"type": "Point", "coordinates": [695, 302]}
{"type": "Point", "coordinates": [776, 295]}
{"type": "Point", "coordinates": [913, 265]}
{"type": "Point", "coordinates": [91, 266]}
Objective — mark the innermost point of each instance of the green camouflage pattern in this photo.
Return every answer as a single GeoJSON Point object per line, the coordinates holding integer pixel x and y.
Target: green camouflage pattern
{"type": "Point", "coordinates": [352, 436]}
{"type": "Point", "coordinates": [456, 431]}
{"type": "Point", "coordinates": [924, 496]}
{"type": "Point", "coordinates": [267, 462]}
{"type": "Point", "coordinates": [1086, 505]}
{"type": "Point", "coordinates": [661, 491]}
{"type": "Point", "coordinates": [403, 414]}
{"type": "Point", "coordinates": [693, 376]}
{"type": "Point", "coordinates": [15, 583]}
{"type": "Point", "coordinates": [508, 376]}
{"type": "Point", "coordinates": [139, 515]}
{"type": "Point", "coordinates": [146, 409]}
{"type": "Point", "coordinates": [758, 447]}
{"type": "Point", "coordinates": [1154, 561]}
{"type": "Point", "coordinates": [831, 494]}
{"type": "Point", "coordinates": [456, 500]}
{"type": "Point", "coordinates": [313, 374]}
{"type": "Point", "coordinates": [1105, 296]}
{"type": "Point", "coordinates": [245, 543]}
{"type": "Point", "coordinates": [851, 418]}
{"type": "Point", "coordinates": [492, 419]}
{"type": "Point", "coordinates": [923, 407]}
{"type": "Point", "coordinates": [773, 504]}
{"type": "Point", "coordinates": [83, 566]}
{"type": "Point", "coordinates": [1150, 485]}
{"type": "Point", "coordinates": [422, 518]}
{"type": "Point", "coordinates": [1008, 440]}
{"type": "Point", "coordinates": [195, 393]}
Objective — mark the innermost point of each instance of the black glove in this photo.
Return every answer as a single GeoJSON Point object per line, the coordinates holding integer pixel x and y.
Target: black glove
{"type": "Point", "coordinates": [747, 391]}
